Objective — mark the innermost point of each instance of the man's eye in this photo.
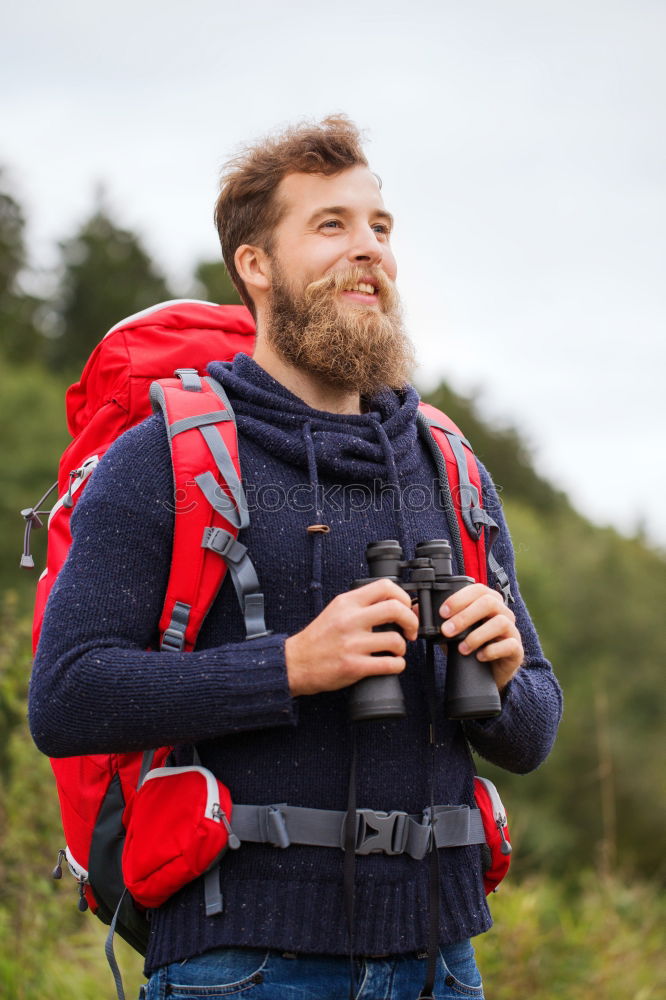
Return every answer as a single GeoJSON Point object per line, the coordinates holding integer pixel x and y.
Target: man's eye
{"type": "Point", "coordinates": [332, 223]}
{"type": "Point", "coordinates": [382, 228]}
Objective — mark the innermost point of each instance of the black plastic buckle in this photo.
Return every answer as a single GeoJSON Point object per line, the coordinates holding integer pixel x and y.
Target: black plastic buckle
{"type": "Point", "coordinates": [378, 832]}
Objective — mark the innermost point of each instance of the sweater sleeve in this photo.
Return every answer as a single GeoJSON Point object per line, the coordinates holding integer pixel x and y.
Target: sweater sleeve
{"type": "Point", "coordinates": [522, 736]}
{"type": "Point", "coordinates": [96, 687]}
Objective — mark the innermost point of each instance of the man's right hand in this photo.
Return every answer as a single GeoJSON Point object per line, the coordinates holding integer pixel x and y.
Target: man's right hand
{"type": "Point", "coordinates": [335, 649]}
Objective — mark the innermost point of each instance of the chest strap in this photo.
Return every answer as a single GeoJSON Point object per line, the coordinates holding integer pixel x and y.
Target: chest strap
{"type": "Point", "coordinates": [391, 833]}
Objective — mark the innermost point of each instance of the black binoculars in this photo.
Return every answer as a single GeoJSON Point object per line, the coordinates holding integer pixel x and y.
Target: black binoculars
{"type": "Point", "coordinates": [470, 691]}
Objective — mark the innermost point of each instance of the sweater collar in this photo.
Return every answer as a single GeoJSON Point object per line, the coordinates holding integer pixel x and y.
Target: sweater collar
{"type": "Point", "coordinates": [347, 447]}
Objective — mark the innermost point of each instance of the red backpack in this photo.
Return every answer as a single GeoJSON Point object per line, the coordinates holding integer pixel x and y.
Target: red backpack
{"type": "Point", "coordinates": [131, 370]}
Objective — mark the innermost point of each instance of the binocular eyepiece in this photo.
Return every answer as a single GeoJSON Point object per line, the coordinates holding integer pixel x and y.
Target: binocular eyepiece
{"type": "Point", "coordinates": [470, 692]}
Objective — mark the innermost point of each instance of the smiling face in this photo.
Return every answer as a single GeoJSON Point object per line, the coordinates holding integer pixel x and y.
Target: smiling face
{"type": "Point", "coordinates": [331, 224]}
{"type": "Point", "coordinates": [333, 307]}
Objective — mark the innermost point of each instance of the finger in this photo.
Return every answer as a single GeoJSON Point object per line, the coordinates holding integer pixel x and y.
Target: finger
{"type": "Point", "coordinates": [389, 612]}
{"type": "Point", "coordinates": [370, 665]}
{"type": "Point", "coordinates": [509, 649]}
{"type": "Point", "coordinates": [498, 627]}
{"type": "Point", "coordinates": [378, 590]}
{"type": "Point", "coordinates": [488, 605]}
{"type": "Point", "coordinates": [384, 642]}
{"type": "Point", "coordinates": [461, 598]}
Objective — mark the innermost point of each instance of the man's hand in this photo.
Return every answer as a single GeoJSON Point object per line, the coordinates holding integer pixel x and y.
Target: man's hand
{"type": "Point", "coordinates": [502, 646]}
{"type": "Point", "coordinates": [335, 649]}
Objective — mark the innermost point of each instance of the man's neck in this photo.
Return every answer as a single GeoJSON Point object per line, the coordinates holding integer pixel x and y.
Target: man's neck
{"type": "Point", "coordinates": [315, 393]}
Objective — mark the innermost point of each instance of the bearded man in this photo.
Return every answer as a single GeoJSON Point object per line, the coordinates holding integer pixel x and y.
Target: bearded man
{"type": "Point", "coordinates": [323, 408]}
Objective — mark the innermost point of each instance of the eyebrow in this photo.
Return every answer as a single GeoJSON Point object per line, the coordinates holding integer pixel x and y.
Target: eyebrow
{"type": "Point", "coordinates": [381, 213]}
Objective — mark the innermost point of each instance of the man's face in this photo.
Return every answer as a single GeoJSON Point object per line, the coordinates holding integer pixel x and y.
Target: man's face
{"type": "Point", "coordinates": [329, 223]}
{"type": "Point", "coordinates": [335, 311]}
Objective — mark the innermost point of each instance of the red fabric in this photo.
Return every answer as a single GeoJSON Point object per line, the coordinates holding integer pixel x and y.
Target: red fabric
{"type": "Point", "coordinates": [111, 396]}
{"type": "Point", "coordinates": [194, 581]}
{"type": "Point", "coordinates": [170, 840]}
{"type": "Point", "coordinates": [474, 552]}
{"type": "Point", "coordinates": [112, 393]}
{"type": "Point", "coordinates": [495, 871]}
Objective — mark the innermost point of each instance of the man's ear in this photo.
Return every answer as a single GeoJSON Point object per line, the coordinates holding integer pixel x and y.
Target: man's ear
{"type": "Point", "coordinates": [253, 266]}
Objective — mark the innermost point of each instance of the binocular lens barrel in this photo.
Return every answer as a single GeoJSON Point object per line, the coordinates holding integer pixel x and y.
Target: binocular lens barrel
{"type": "Point", "coordinates": [471, 692]}
{"type": "Point", "coordinates": [384, 558]}
{"type": "Point", "coordinates": [438, 551]}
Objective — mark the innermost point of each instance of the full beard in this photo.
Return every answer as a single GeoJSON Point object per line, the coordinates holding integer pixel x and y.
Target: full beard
{"type": "Point", "coordinates": [348, 346]}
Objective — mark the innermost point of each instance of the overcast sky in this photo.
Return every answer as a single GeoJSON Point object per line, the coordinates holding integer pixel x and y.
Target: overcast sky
{"type": "Point", "coordinates": [522, 149]}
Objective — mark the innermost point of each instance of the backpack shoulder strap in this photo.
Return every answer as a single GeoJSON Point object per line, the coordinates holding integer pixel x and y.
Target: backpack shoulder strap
{"type": "Point", "coordinates": [209, 509]}
{"type": "Point", "coordinates": [460, 483]}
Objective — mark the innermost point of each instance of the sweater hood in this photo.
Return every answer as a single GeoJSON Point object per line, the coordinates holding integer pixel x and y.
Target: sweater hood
{"type": "Point", "coordinates": [345, 447]}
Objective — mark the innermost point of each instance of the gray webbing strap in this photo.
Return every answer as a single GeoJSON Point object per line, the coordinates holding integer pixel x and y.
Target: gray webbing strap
{"type": "Point", "coordinates": [482, 517]}
{"type": "Point", "coordinates": [473, 514]}
{"type": "Point", "coordinates": [220, 453]}
{"type": "Point", "coordinates": [503, 582]}
{"type": "Point", "coordinates": [212, 891]}
{"type": "Point", "coordinates": [218, 498]}
{"type": "Point", "coordinates": [244, 578]}
{"type": "Point", "coordinates": [190, 378]}
{"type": "Point", "coordinates": [376, 832]}
{"type": "Point", "coordinates": [187, 423]}
{"type": "Point", "coordinates": [110, 953]}
{"type": "Point", "coordinates": [174, 636]}
{"type": "Point", "coordinates": [469, 495]}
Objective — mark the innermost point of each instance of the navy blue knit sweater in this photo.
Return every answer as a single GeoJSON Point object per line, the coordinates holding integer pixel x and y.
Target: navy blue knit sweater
{"type": "Point", "coordinates": [95, 688]}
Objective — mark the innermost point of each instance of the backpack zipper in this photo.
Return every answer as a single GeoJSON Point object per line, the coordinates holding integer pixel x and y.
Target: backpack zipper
{"type": "Point", "coordinates": [213, 809]}
{"type": "Point", "coordinates": [499, 812]}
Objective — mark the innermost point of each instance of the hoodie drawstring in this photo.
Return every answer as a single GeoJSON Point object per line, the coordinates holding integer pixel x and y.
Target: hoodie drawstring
{"type": "Point", "coordinates": [394, 480]}
{"type": "Point", "coordinates": [316, 529]}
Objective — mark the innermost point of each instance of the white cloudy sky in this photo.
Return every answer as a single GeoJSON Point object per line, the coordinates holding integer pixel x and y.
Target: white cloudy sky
{"type": "Point", "coordinates": [522, 147]}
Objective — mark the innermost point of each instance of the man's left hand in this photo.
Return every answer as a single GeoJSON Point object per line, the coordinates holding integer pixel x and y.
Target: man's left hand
{"type": "Point", "coordinates": [496, 641]}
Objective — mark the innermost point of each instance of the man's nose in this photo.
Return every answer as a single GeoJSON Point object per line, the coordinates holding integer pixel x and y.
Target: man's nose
{"type": "Point", "coordinates": [365, 248]}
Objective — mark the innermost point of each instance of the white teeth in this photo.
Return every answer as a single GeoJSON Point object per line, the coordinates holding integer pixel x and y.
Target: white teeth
{"type": "Point", "coordinates": [363, 287]}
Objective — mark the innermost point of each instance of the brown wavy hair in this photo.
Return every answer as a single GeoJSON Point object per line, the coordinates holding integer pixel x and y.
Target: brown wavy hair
{"type": "Point", "coordinates": [247, 211]}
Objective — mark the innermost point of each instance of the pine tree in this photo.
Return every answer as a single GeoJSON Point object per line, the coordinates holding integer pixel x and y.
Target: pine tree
{"type": "Point", "coordinates": [106, 276]}
{"type": "Point", "coordinates": [19, 337]}
{"type": "Point", "coordinates": [214, 283]}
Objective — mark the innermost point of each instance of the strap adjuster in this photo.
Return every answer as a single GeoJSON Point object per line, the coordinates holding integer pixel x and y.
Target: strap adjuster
{"type": "Point", "coordinates": [224, 543]}
{"type": "Point", "coordinates": [173, 639]}
{"type": "Point", "coordinates": [381, 832]}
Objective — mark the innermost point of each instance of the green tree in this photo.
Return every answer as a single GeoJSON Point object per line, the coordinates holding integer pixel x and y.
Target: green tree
{"type": "Point", "coordinates": [214, 283]}
{"type": "Point", "coordinates": [106, 276]}
{"type": "Point", "coordinates": [33, 435]}
{"type": "Point", "coordinates": [19, 311]}
{"type": "Point", "coordinates": [597, 601]}
{"type": "Point", "coordinates": [502, 450]}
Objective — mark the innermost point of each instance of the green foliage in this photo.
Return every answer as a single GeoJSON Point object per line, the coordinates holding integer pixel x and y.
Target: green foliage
{"type": "Point", "coordinates": [603, 940]}
{"type": "Point", "coordinates": [12, 243]}
{"type": "Point", "coordinates": [19, 312]}
{"type": "Point", "coordinates": [502, 451]}
{"type": "Point", "coordinates": [597, 600]}
{"type": "Point", "coordinates": [32, 436]}
{"type": "Point", "coordinates": [106, 275]}
{"type": "Point", "coordinates": [48, 949]}
{"type": "Point", "coordinates": [214, 283]}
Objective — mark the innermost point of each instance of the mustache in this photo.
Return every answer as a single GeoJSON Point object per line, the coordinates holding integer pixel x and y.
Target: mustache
{"type": "Point", "coordinates": [340, 280]}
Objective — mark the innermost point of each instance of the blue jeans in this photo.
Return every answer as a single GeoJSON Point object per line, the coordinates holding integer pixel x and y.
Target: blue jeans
{"type": "Point", "coordinates": [258, 974]}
